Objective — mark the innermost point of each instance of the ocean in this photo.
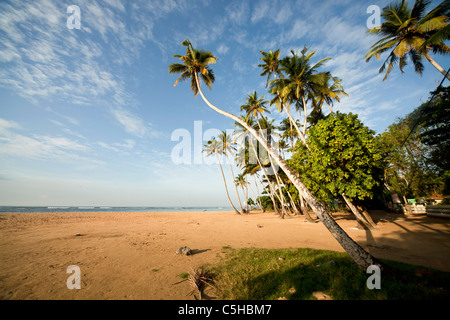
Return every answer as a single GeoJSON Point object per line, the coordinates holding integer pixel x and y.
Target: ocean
{"type": "Point", "coordinates": [22, 209]}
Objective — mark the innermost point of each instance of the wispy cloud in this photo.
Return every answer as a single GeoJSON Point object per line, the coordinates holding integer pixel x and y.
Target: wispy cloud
{"type": "Point", "coordinates": [45, 61]}
{"type": "Point", "coordinates": [41, 147]}
{"type": "Point", "coordinates": [130, 122]}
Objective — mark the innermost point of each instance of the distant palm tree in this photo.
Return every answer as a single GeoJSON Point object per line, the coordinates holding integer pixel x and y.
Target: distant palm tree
{"type": "Point", "coordinates": [250, 156]}
{"type": "Point", "coordinates": [271, 64]}
{"type": "Point", "coordinates": [255, 107]}
{"type": "Point", "coordinates": [196, 62]}
{"type": "Point", "coordinates": [241, 181]}
{"type": "Point", "coordinates": [227, 147]}
{"type": "Point", "coordinates": [214, 147]}
{"type": "Point", "coordinates": [411, 32]}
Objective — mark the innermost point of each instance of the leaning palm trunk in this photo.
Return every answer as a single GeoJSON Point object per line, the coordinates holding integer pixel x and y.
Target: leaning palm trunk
{"type": "Point", "coordinates": [258, 199]}
{"type": "Point", "coordinates": [225, 183]}
{"type": "Point", "coordinates": [361, 220]}
{"type": "Point", "coordinates": [361, 257]}
{"type": "Point", "coordinates": [437, 66]}
{"type": "Point", "coordinates": [272, 191]}
{"type": "Point", "coordinates": [305, 116]}
{"type": "Point", "coordinates": [235, 186]}
{"type": "Point", "coordinates": [283, 209]}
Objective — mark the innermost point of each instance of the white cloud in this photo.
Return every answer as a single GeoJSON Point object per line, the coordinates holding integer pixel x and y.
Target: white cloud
{"type": "Point", "coordinates": [284, 14]}
{"type": "Point", "coordinates": [41, 147]}
{"type": "Point", "coordinates": [299, 29]}
{"type": "Point", "coordinates": [223, 49]}
{"type": "Point", "coordinates": [131, 122]}
{"type": "Point", "coordinates": [260, 11]}
{"type": "Point", "coordinates": [237, 12]}
{"type": "Point", "coordinates": [8, 124]}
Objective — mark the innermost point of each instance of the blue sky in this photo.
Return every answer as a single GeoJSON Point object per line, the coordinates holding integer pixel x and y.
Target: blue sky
{"type": "Point", "coordinates": [87, 115]}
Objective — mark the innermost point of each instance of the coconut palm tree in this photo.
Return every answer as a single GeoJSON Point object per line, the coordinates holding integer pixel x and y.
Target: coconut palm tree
{"type": "Point", "coordinates": [227, 147]}
{"type": "Point", "coordinates": [247, 155]}
{"type": "Point", "coordinates": [271, 63]}
{"type": "Point", "coordinates": [271, 67]}
{"type": "Point", "coordinates": [241, 181]}
{"type": "Point", "coordinates": [255, 107]}
{"type": "Point", "coordinates": [411, 32]}
{"type": "Point", "coordinates": [329, 90]}
{"type": "Point", "coordinates": [195, 63]}
{"type": "Point", "coordinates": [214, 147]}
{"type": "Point", "coordinates": [300, 82]}
{"type": "Point", "coordinates": [252, 169]}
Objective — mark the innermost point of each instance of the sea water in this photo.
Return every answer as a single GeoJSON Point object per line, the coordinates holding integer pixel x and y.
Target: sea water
{"type": "Point", "coordinates": [21, 209]}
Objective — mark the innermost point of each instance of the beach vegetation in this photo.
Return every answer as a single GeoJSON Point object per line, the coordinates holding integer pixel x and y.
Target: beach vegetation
{"type": "Point", "coordinates": [416, 150]}
{"type": "Point", "coordinates": [342, 162]}
{"type": "Point", "coordinates": [299, 274]}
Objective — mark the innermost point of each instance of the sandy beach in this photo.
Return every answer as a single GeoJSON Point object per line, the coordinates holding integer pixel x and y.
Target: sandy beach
{"type": "Point", "coordinates": [131, 255]}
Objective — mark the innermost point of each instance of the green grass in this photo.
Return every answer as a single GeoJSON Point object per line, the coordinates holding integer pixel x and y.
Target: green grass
{"type": "Point", "coordinates": [184, 275]}
{"type": "Point", "coordinates": [259, 274]}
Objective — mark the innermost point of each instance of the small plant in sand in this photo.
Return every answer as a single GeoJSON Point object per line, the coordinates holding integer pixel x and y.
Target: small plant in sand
{"type": "Point", "coordinates": [199, 280]}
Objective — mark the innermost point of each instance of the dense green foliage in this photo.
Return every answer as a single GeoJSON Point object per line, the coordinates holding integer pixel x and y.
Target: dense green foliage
{"type": "Point", "coordinates": [416, 149]}
{"type": "Point", "coordinates": [342, 158]}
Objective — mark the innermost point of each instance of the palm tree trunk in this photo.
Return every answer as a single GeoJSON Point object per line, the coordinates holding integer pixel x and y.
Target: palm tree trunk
{"type": "Point", "coordinates": [256, 198]}
{"type": "Point", "coordinates": [306, 116]}
{"type": "Point", "coordinates": [283, 209]}
{"type": "Point", "coordinates": [361, 257]}
{"type": "Point", "coordinates": [294, 207]}
{"type": "Point", "coordinates": [225, 183]}
{"type": "Point", "coordinates": [272, 192]}
{"type": "Point", "coordinates": [246, 193]}
{"type": "Point", "coordinates": [331, 109]}
{"type": "Point", "coordinates": [437, 66]}
{"type": "Point", "coordinates": [235, 186]}
{"type": "Point", "coordinates": [361, 220]}
{"type": "Point", "coordinates": [257, 190]}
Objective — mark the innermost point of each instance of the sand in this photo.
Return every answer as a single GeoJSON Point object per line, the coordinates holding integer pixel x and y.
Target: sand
{"type": "Point", "coordinates": [131, 255]}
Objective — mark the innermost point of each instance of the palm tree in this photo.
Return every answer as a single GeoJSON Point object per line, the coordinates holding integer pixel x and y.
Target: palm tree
{"type": "Point", "coordinates": [329, 90]}
{"type": "Point", "coordinates": [248, 156]}
{"type": "Point", "coordinates": [254, 108]}
{"type": "Point", "coordinates": [252, 169]}
{"type": "Point", "coordinates": [195, 66]}
{"type": "Point", "coordinates": [195, 62]}
{"type": "Point", "coordinates": [227, 147]}
{"type": "Point", "coordinates": [301, 81]}
{"type": "Point", "coordinates": [271, 63]}
{"type": "Point", "coordinates": [240, 181]}
{"type": "Point", "coordinates": [271, 67]}
{"type": "Point", "coordinates": [411, 32]}
{"type": "Point", "coordinates": [213, 147]}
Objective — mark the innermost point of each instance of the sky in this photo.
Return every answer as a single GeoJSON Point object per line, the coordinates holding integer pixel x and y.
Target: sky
{"type": "Point", "coordinates": [89, 114]}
